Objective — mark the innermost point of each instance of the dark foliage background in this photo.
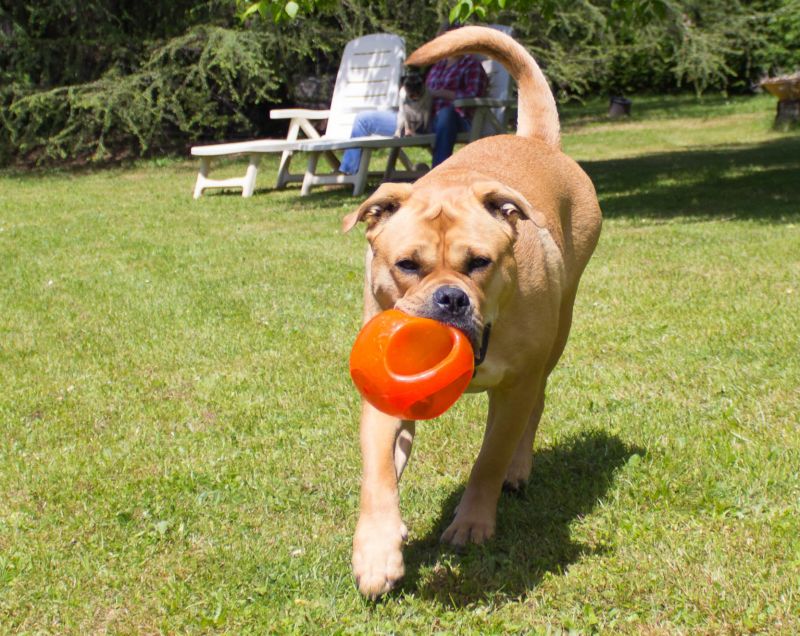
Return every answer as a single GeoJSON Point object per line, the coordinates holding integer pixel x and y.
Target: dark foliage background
{"type": "Point", "coordinates": [100, 80]}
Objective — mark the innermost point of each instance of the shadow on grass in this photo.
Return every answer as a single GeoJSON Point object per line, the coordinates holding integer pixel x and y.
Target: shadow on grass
{"type": "Point", "coordinates": [756, 181]}
{"type": "Point", "coordinates": [533, 527]}
{"type": "Point", "coordinates": [323, 197]}
{"type": "Point", "coordinates": [650, 107]}
{"type": "Point", "coordinates": [742, 182]}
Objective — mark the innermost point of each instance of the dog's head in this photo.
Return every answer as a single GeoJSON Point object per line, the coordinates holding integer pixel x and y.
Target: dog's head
{"type": "Point", "coordinates": [445, 253]}
{"type": "Point", "coordinates": [414, 84]}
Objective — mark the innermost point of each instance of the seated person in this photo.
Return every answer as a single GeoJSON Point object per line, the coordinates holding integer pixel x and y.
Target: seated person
{"type": "Point", "coordinates": [449, 79]}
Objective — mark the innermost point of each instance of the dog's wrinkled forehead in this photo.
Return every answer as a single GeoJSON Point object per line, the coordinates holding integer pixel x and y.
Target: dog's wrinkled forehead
{"type": "Point", "coordinates": [429, 224]}
{"type": "Point", "coordinates": [481, 208]}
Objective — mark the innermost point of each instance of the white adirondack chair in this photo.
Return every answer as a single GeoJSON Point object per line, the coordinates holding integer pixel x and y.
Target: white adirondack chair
{"type": "Point", "coordinates": [368, 79]}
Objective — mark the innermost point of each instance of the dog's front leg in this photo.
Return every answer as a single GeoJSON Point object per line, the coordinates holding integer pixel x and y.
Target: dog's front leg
{"type": "Point", "coordinates": [509, 413]}
{"type": "Point", "coordinates": [402, 447]}
{"type": "Point", "coordinates": [521, 463]}
{"type": "Point", "coordinates": [378, 541]}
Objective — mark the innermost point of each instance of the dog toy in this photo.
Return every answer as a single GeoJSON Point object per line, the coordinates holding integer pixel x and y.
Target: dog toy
{"type": "Point", "coordinates": [409, 367]}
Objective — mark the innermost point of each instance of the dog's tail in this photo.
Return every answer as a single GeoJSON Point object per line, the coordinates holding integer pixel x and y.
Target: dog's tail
{"type": "Point", "coordinates": [538, 116]}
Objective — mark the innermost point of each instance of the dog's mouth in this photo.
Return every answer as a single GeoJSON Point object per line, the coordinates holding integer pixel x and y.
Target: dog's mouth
{"type": "Point", "coordinates": [481, 355]}
{"type": "Point", "coordinates": [480, 343]}
{"type": "Point", "coordinates": [477, 335]}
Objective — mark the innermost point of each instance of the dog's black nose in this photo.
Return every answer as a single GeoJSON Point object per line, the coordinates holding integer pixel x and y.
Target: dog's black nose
{"type": "Point", "coordinates": [452, 300]}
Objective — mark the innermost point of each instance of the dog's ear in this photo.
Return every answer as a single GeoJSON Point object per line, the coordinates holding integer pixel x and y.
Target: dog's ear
{"type": "Point", "coordinates": [386, 200]}
{"type": "Point", "coordinates": [506, 204]}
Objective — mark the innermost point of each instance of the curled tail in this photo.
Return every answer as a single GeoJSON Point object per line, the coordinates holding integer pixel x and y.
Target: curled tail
{"type": "Point", "coordinates": [537, 116]}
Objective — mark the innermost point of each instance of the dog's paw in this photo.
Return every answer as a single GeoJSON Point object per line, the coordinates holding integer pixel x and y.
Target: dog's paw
{"type": "Point", "coordinates": [515, 487]}
{"type": "Point", "coordinates": [377, 556]}
{"type": "Point", "coordinates": [518, 471]}
{"type": "Point", "coordinates": [468, 529]}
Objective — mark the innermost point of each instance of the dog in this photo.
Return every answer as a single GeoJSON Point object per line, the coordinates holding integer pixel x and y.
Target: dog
{"type": "Point", "coordinates": [493, 241]}
{"type": "Point", "coordinates": [414, 113]}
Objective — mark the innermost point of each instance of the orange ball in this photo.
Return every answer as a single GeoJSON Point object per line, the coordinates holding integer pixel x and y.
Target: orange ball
{"type": "Point", "coordinates": [409, 367]}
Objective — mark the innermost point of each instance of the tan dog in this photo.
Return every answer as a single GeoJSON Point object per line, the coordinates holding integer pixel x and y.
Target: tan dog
{"type": "Point", "coordinates": [496, 236]}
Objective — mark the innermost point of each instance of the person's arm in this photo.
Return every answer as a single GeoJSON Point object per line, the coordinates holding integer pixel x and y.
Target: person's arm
{"type": "Point", "coordinates": [434, 81]}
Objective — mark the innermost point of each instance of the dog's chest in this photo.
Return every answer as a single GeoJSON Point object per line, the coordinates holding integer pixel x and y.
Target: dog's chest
{"type": "Point", "coordinates": [414, 117]}
{"type": "Point", "coordinates": [415, 114]}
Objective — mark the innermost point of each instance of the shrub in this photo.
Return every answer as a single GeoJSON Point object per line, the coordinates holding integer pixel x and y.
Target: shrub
{"type": "Point", "coordinates": [198, 84]}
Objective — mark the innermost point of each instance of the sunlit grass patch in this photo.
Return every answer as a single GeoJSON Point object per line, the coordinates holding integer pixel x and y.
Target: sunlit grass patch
{"type": "Point", "coordinates": [178, 432]}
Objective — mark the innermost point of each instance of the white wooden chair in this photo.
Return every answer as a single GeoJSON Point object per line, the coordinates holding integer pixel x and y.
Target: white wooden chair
{"type": "Point", "coordinates": [368, 79]}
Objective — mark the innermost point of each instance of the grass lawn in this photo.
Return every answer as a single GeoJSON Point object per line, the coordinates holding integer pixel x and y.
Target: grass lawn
{"type": "Point", "coordinates": [178, 431]}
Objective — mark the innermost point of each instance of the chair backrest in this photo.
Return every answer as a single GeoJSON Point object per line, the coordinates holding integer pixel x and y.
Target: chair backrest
{"type": "Point", "coordinates": [499, 85]}
{"type": "Point", "coordinates": [368, 79]}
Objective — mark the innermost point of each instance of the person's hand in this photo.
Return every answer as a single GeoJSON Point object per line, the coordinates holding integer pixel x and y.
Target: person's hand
{"type": "Point", "coordinates": [443, 93]}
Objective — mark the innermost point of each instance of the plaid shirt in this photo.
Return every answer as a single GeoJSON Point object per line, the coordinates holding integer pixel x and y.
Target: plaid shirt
{"type": "Point", "coordinates": [466, 78]}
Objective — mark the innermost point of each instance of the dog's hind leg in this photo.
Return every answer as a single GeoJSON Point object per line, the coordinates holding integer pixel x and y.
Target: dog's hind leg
{"type": "Point", "coordinates": [520, 468]}
{"type": "Point", "coordinates": [521, 463]}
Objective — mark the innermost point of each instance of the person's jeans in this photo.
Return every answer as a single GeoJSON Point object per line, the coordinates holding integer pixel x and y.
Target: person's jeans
{"type": "Point", "coordinates": [371, 122]}
{"type": "Point", "coordinates": [446, 125]}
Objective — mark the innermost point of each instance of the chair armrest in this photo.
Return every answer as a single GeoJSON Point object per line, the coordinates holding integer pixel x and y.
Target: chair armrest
{"type": "Point", "coordinates": [490, 102]}
{"type": "Point", "coordinates": [305, 113]}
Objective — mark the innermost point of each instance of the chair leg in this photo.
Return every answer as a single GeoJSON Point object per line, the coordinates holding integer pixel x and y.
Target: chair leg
{"type": "Point", "coordinates": [199, 184]}
{"type": "Point", "coordinates": [286, 156]}
{"type": "Point", "coordinates": [308, 179]}
{"type": "Point", "coordinates": [249, 182]}
{"type": "Point", "coordinates": [478, 122]}
{"type": "Point", "coordinates": [283, 169]}
{"type": "Point", "coordinates": [363, 172]}
{"type": "Point", "coordinates": [312, 133]}
{"type": "Point", "coordinates": [333, 160]}
{"type": "Point", "coordinates": [388, 174]}
{"type": "Point", "coordinates": [405, 160]}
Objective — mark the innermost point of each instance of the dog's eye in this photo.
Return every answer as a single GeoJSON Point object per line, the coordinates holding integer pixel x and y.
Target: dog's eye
{"type": "Point", "coordinates": [408, 266]}
{"type": "Point", "coordinates": [387, 207]}
{"type": "Point", "coordinates": [477, 263]}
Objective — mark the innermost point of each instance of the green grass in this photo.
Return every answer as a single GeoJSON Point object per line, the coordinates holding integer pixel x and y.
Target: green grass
{"type": "Point", "coordinates": [178, 432]}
